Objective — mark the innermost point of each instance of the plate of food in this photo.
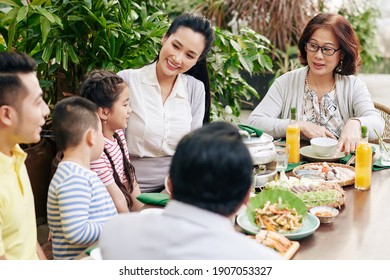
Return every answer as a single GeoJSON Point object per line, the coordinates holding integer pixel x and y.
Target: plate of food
{"type": "Point", "coordinates": [308, 153]}
{"type": "Point", "coordinates": [281, 244]}
{"type": "Point", "coordinates": [278, 211]}
{"type": "Point", "coordinates": [342, 174]}
{"type": "Point", "coordinates": [312, 192]}
{"type": "Point", "coordinates": [309, 226]}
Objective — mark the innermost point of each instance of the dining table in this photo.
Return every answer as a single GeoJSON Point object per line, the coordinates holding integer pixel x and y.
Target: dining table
{"type": "Point", "coordinates": [361, 231]}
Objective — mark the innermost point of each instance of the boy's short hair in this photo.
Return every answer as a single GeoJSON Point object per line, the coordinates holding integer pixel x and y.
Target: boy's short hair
{"type": "Point", "coordinates": [12, 87]}
{"type": "Point", "coordinates": [72, 117]}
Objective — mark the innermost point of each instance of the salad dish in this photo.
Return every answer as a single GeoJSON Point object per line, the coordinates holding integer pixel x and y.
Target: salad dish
{"type": "Point", "coordinates": [309, 225]}
{"type": "Point", "coordinates": [311, 191]}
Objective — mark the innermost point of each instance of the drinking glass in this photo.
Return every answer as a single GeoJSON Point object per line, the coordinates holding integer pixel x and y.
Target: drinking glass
{"type": "Point", "coordinates": [281, 157]}
{"type": "Point", "coordinates": [385, 152]}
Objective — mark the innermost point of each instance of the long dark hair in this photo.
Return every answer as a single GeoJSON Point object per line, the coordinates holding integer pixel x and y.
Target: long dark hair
{"type": "Point", "coordinates": [129, 172]}
{"type": "Point", "coordinates": [198, 24]}
{"type": "Point", "coordinates": [103, 88]}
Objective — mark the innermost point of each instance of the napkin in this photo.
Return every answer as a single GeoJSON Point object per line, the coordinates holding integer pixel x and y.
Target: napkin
{"type": "Point", "coordinates": [378, 166]}
{"type": "Point", "coordinates": [160, 199]}
{"type": "Point", "coordinates": [251, 129]}
{"type": "Point", "coordinates": [291, 166]}
{"type": "Point", "coordinates": [88, 251]}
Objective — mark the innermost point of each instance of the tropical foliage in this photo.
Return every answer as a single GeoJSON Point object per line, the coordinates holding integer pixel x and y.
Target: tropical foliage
{"type": "Point", "coordinates": [69, 38]}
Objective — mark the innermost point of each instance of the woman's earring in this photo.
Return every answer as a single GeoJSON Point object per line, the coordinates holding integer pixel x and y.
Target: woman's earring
{"type": "Point", "coordinates": [339, 67]}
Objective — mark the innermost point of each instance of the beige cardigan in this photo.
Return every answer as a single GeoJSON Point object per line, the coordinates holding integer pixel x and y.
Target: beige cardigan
{"type": "Point", "coordinates": [273, 112]}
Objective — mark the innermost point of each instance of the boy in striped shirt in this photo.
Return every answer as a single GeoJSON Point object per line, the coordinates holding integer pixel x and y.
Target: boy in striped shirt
{"type": "Point", "coordinates": [78, 203]}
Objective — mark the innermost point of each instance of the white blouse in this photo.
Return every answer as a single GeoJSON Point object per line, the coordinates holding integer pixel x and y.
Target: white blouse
{"type": "Point", "coordinates": [155, 128]}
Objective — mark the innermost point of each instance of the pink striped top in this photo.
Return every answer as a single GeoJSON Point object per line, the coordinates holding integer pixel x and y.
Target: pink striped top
{"type": "Point", "coordinates": [102, 166]}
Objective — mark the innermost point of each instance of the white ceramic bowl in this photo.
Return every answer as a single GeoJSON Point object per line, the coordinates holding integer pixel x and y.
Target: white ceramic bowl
{"type": "Point", "coordinates": [326, 214]}
{"type": "Point", "coordinates": [324, 146]}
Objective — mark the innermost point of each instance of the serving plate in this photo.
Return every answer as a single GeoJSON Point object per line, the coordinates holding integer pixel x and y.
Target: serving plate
{"type": "Point", "coordinates": [308, 166]}
{"type": "Point", "coordinates": [309, 226]}
{"type": "Point", "coordinates": [309, 154]}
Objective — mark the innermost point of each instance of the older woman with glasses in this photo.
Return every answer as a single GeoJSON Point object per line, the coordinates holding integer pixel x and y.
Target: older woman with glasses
{"type": "Point", "coordinates": [330, 100]}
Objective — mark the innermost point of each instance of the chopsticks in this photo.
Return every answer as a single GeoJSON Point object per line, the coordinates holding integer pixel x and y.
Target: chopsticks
{"type": "Point", "coordinates": [380, 140]}
{"type": "Point", "coordinates": [351, 160]}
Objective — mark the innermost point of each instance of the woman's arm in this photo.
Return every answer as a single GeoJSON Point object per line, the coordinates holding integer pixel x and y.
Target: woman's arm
{"type": "Point", "coordinates": [267, 115]}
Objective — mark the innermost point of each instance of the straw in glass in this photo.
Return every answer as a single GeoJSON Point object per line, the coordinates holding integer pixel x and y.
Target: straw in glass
{"type": "Point", "coordinates": [381, 140]}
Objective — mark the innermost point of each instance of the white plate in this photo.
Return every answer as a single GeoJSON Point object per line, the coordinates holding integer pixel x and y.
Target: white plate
{"type": "Point", "coordinates": [309, 225]}
{"type": "Point", "coordinates": [152, 211]}
{"type": "Point", "coordinates": [309, 153]}
{"type": "Point", "coordinates": [96, 254]}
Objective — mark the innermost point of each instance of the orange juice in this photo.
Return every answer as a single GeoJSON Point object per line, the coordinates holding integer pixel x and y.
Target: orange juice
{"type": "Point", "coordinates": [363, 163]}
{"type": "Point", "coordinates": [293, 137]}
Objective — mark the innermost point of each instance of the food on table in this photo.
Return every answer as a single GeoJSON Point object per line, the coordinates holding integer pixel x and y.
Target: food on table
{"type": "Point", "coordinates": [312, 192]}
{"type": "Point", "coordinates": [326, 171]}
{"type": "Point", "coordinates": [324, 213]}
{"type": "Point", "coordinates": [273, 240]}
{"type": "Point", "coordinates": [277, 210]}
{"type": "Point", "coordinates": [277, 217]}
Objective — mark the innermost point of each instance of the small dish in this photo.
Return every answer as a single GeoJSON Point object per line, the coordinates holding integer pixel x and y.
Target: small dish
{"type": "Point", "coordinates": [309, 153]}
{"type": "Point", "coordinates": [323, 146]}
{"type": "Point", "coordinates": [326, 214]}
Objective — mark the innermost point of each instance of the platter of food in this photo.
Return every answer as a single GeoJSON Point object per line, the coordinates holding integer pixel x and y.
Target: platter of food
{"type": "Point", "coordinates": [285, 247]}
{"type": "Point", "coordinates": [309, 226]}
{"type": "Point", "coordinates": [330, 172]}
{"type": "Point", "coordinates": [313, 192]}
{"type": "Point", "coordinates": [279, 211]}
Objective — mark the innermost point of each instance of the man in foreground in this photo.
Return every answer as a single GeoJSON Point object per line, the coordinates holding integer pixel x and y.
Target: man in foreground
{"type": "Point", "coordinates": [210, 178]}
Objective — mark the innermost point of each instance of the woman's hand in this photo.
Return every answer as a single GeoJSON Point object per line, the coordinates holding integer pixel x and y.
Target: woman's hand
{"type": "Point", "coordinates": [311, 130]}
{"type": "Point", "coordinates": [350, 137]}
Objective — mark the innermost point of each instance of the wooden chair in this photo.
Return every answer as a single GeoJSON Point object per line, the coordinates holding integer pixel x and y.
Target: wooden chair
{"type": "Point", "coordinates": [384, 111]}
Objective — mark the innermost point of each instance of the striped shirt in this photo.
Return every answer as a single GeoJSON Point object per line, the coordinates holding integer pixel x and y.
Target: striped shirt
{"type": "Point", "coordinates": [103, 167]}
{"type": "Point", "coordinates": [78, 205]}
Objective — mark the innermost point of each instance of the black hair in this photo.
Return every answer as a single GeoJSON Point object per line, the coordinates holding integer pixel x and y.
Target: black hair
{"type": "Point", "coordinates": [72, 117]}
{"type": "Point", "coordinates": [103, 88]}
{"type": "Point", "coordinates": [198, 24]}
{"type": "Point", "coordinates": [212, 169]}
{"type": "Point", "coordinates": [12, 87]}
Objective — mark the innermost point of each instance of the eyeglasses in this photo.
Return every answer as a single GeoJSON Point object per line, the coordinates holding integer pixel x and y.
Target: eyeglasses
{"type": "Point", "coordinates": [312, 47]}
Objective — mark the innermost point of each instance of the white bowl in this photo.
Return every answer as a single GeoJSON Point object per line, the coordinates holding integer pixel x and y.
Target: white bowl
{"type": "Point", "coordinates": [262, 178]}
{"type": "Point", "coordinates": [324, 146]}
{"type": "Point", "coordinates": [326, 214]}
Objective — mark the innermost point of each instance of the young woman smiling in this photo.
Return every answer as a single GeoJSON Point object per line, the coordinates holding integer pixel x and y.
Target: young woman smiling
{"type": "Point", "coordinates": [167, 103]}
{"type": "Point", "coordinates": [330, 100]}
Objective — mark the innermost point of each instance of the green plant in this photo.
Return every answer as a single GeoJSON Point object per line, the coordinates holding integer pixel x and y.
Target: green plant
{"type": "Point", "coordinates": [232, 54]}
{"type": "Point", "coordinates": [363, 19]}
{"type": "Point", "coordinates": [69, 38]}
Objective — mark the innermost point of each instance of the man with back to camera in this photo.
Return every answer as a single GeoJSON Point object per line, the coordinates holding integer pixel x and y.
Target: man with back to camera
{"type": "Point", "coordinates": [22, 115]}
{"type": "Point", "coordinates": [210, 178]}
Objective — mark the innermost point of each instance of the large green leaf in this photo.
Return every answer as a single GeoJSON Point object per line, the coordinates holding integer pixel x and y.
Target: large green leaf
{"type": "Point", "coordinates": [288, 198]}
{"type": "Point", "coordinates": [13, 3]}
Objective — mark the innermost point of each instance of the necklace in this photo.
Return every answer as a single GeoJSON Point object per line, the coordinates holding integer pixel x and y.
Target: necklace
{"type": "Point", "coordinates": [307, 84]}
